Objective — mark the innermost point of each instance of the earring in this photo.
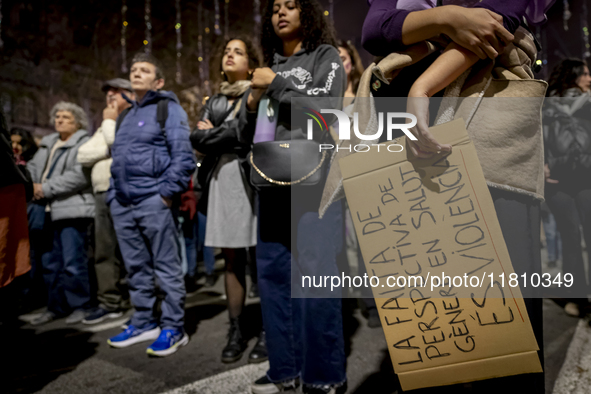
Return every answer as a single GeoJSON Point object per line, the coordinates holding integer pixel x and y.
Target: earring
{"type": "Point", "coordinates": [250, 73]}
{"type": "Point", "coordinates": [222, 74]}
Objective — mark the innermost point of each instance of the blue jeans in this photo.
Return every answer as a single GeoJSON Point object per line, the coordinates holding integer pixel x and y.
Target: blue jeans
{"type": "Point", "coordinates": [304, 335]}
{"type": "Point", "coordinates": [149, 242]}
{"type": "Point", "coordinates": [191, 248]}
{"type": "Point", "coordinates": [65, 266]}
{"type": "Point", "coordinates": [208, 253]}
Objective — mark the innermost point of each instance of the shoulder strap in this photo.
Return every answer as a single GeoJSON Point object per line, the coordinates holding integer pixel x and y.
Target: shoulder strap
{"type": "Point", "coordinates": [161, 116]}
{"type": "Point", "coordinates": [121, 117]}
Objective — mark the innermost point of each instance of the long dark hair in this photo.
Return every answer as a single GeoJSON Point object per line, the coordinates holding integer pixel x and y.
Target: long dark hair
{"type": "Point", "coordinates": [316, 29]}
{"type": "Point", "coordinates": [27, 142]}
{"type": "Point", "coordinates": [357, 65]}
{"type": "Point", "coordinates": [253, 53]}
{"type": "Point", "coordinates": [564, 76]}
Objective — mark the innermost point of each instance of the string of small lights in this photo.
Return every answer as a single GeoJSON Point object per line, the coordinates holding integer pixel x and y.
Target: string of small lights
{"type": "Point", "coordinates": [226, 20]}
{"type": "Point", "coordinates": [216, 25]}
{"type": "Point", "coordinates": [124, 24]}
{"type": "Point", "coordinates": [257, 20]}
{"type": "Point", "coordinates": [200, 45]}
{"type": "Point", "coordinates": [1, 42]}
{"type": "Point", "coordinates": [179, 44]}
{"type": "Point", "coordinates": [147, 19]}
{"type": "Point", "coordinates": [585, 26]}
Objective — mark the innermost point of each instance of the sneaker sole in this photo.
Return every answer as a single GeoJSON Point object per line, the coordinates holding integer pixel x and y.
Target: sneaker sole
{"type": "Point", "coordinates": [167, 352]}
{"type": "Point", "coordinates": [144, 336]}
{"type": "Point", "coordinates": [257, 360]}
{"type": "Point", "coordinates": [266, 389]}
{"type": "Point", "coordinates": [112, 315]}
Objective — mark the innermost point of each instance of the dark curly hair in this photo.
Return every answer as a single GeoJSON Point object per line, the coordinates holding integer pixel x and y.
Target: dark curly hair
{"type": "Point", "coordinates": [317, 29]}
{"type": "Point", "coordinates": [564, 76]}
{"type": "Point", "coordinates": [357, 65]}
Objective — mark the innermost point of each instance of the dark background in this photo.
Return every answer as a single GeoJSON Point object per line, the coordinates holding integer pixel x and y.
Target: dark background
{"type": "Point", "coordinates": [65, 50]}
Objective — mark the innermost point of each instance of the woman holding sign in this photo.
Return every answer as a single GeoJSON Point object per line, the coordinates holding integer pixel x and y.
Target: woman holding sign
{"type": "Point", "coordinates": [479, 35]}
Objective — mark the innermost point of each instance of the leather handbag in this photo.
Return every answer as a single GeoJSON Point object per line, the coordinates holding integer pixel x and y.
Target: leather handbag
{"type": "Point", "coordinates": [287, 163]}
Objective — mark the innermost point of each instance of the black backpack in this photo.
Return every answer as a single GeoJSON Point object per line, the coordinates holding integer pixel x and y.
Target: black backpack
{"type": "Point", "coordinates": [161, 116]}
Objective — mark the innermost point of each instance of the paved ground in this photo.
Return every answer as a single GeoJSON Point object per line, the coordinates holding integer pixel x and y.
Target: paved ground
{"type": "Point", "coordinates": [57, 358]}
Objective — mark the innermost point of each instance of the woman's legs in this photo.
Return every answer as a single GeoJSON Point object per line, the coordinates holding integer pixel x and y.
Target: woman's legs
{"type": "Point", "coordinates": [235, 280]}
{"type": "Point", "coordinates": [564, 209]}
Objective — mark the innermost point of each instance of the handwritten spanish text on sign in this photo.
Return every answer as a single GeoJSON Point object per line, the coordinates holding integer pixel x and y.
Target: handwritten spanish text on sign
{"type": "Point", "coordinates": [430, 228]}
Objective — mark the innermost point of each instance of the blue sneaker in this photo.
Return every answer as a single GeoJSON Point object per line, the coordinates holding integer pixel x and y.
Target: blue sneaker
{"type": "Point", "coordinates": [168, 342]}
{"type": "Point", "coordinates": [133, 335]}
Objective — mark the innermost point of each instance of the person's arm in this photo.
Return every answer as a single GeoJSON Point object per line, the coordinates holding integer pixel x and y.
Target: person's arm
{"type": "Point", "coordinates": [479, 30]}
{"type": "Point", "coordinates": [328, 79]}
{"type": "Point", "coordinates": [177, 175]}
{"type": "Point", "coordinates": [93, 150]}
{"type": "Point", "coordinates": [223, 138]}
{"type": "Point", "coordinates": [444, 70]}
{"type": "Point", "coordinates": [72, 180]}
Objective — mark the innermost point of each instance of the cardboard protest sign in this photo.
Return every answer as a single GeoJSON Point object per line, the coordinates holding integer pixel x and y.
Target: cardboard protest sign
{"type": "Point", "coordinates": [427, 218]}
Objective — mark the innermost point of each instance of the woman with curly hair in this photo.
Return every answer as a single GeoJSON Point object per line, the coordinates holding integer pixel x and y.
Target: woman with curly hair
{"type": "Point", "coordinates": [567, 137]}
{"type": "Point", "coordinates": [64, 210]}
{"type": "Point", "coordinates": [304, 335]}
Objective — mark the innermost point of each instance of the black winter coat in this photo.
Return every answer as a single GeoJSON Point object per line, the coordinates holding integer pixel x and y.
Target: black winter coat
{"type": "Point", "coordinates": [224, 137]}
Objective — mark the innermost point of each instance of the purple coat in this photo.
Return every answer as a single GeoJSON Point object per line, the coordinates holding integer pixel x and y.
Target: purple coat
{"type": "Point", "coordinates": [382, 29]}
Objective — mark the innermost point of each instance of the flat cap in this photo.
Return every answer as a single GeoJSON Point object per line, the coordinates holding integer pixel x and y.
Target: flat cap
{"type": "Point", "coordinates": [117, 83]}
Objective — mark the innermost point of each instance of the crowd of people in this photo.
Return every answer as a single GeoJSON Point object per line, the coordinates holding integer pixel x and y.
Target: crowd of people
{"type": "Point", "coordinates": [116, 220]}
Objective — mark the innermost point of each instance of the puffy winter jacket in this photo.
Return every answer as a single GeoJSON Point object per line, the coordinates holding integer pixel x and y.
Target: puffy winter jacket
{"type": "Point", "coordinates": [147, 161]}
{"type": "Point", "coordinates": [67, 189]}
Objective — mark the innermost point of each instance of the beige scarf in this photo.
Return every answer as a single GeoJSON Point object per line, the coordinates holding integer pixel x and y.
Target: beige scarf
{"type": "Point", "coordinates": [235, 89]}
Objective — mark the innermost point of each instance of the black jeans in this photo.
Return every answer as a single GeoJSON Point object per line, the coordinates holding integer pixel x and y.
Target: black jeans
{"type": "Point", "coordinates": [571, 208]}
{"type": "Point", "coordinates": [110, 272]}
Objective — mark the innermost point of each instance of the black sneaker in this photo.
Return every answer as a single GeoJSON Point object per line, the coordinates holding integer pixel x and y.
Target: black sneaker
{"type": "Point", "coordinates": [265, 386]}
{"type": "Point", "coordinates": [259, 352]}
{"type": "Point", "coordinates": [210, 280]}
{"type": "Point", "coordinates": [100, 315]}
{"type": "Point", "coordinates": [254, 291]}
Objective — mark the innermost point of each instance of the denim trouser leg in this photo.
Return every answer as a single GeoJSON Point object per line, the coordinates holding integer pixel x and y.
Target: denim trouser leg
{"type": "Point", "coordinates": [65, 267]}
{"type": "Point", "coordinates": [281, 322]}
{"type": "Point", "coordinates": [75, 279]}
{"type": "Point", "coordinates": [191, 247]}
{"type": "Point", "coordinates": [52, 263]}
{"type": "Point", "coordinates": [143, 228]}
{"type": "Point", "coordinates": [304, 335]}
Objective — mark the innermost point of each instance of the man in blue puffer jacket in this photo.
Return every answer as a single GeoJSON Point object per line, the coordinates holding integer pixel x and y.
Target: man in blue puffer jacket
{"type": "Point", "coordinates": [151, 168]}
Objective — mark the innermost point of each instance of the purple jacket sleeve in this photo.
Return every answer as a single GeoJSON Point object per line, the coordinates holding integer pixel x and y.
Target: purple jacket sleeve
{"type": "Point", "coordinates": [382, 29]}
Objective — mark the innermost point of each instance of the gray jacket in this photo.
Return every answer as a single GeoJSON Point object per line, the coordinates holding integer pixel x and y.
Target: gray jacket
{"type": "Point", "coordinates": [67, 189]}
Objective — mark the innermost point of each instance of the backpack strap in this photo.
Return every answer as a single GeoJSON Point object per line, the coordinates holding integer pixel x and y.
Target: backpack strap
{"type": "Point", "coordinates": [161, 116]}
{"type": "Point", "coordinates": [121, 117]}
